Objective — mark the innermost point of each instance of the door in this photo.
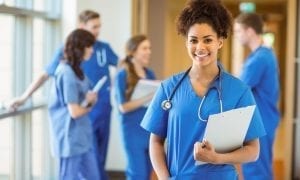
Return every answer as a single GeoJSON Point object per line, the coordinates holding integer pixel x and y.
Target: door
{"type": "Point", "coordinates": [296, 149]}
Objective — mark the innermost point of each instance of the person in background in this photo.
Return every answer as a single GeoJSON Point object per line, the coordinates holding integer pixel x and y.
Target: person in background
{"type": "Point", "coordinates": [182, 104]}
{"type": "Point", "coordinates": [135, 138]}
{"type": "Point", "coordinates": [260, 73]}
{"type": "Point", "coordinates": [70, 127]}
{"type": "Point", "coordinates": [97, 67]}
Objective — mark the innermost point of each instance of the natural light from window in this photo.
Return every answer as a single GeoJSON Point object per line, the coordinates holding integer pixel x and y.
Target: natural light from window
{"type": "Point", "coordinates": [6, 79]}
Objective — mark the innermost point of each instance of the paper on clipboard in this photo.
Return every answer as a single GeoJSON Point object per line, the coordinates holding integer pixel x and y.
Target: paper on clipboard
{"type": "Point", "coordinates": [143, 88]}
{"type": "Point", "coordinates": [226, 131]}
{"type": "Point", "coordinates": [96, 88]}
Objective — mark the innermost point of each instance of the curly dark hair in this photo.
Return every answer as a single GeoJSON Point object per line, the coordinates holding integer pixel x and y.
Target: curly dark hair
{"type": "Point", "coordinates": [211, 12]}
{"type": "Point", "coordinates": [132, 77]}
{"type": "Point", "coordinates": [76, 43]}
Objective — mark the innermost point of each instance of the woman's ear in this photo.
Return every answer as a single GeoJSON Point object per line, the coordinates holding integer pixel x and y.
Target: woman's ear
{"type": "Point", "coordinates": [221, 41]}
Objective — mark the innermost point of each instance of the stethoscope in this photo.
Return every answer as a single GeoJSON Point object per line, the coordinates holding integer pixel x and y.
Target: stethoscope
{"type": "Point", "coordinates": [101, 57]}
{"type": "Point", "coordinates": [167, 104]}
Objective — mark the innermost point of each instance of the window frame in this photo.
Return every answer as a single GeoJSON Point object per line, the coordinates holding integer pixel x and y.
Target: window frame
{"type": "Point", "coordinates": [23, 12]}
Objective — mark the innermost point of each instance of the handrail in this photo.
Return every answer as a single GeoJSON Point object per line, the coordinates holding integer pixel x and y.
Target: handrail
{"type": "Point", "coordinates": [4, 113]}
{"type": "Point", "coordinates": [28, 12]}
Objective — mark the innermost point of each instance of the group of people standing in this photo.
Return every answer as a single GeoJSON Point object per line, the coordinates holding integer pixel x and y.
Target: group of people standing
{"type": "Point", "coordinates": [80, 133]}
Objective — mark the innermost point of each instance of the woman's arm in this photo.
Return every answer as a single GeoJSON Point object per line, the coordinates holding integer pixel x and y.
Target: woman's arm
{"type": "Point", "coordinates": [35, 85]}
{"type": "Point", "coordinates": [158, 157]}
{"type": "Point", "coordinates": [205, 152]}
{"type": "Point", "coordinates": [248, 153]}
{"type": "Point", "coordinates": [77, 110]}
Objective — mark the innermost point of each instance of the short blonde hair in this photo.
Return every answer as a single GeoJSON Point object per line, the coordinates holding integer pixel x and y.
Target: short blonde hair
{"type": "Point", "coordinates": [87, 15]}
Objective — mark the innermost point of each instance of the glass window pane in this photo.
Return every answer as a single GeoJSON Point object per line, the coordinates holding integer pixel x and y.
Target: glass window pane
{"type": "Point", "coordinates": [6, 48]}
{"type": "Point", "coordinates": [8, 2]}
{"type": "Point", "coordinates": [39, 5]}
{"type": "Point", "coordinates": [5, 148]}
{"type": "Point", "coordinates": [38, 53]}
{"type": "Point", "coordinates": [37, 136]}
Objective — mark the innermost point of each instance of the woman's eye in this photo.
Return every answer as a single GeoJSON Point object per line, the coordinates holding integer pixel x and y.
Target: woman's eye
{"type": "Point", "coordinates": [193, 41]}
{"type": "Point", "coordinates": [207, 40]}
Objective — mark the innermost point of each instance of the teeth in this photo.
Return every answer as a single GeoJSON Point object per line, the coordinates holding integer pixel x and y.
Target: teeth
{"type": "Point", "coordinates": [201, 55]}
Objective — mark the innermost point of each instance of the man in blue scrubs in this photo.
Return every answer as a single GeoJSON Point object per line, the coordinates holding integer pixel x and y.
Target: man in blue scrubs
{"type": "Point", "coordinates": [260, 72]}
{"type": "Point", "coordinates": [94, 69]}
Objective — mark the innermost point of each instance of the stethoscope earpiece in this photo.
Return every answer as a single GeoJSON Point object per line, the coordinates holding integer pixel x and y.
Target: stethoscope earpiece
{"type": "Point", "coordinates": [166, 105]}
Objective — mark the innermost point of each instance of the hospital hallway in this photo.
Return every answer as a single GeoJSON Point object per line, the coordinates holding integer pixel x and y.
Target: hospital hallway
{"type": "Point", "coordinates": [32, 30]}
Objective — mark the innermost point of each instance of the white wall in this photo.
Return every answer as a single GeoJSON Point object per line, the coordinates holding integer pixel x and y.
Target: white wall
{"type": "Point", "coordinates": [116, 29]}
{"type": "Point", "coordinates": [69, 11]}
{"type": "Point", "coordinates": [116, 20]}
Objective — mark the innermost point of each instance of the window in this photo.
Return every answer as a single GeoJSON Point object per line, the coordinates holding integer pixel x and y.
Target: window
{"type": "Point", "coordinates": [8, 2]}
{"type": "Point", "coordinates": [5, 149]}
{"type": "Point", "coordinates": [39, 5]}
{"type": "Point", "coordinates": [29, 31]}
{"type": "Point", "coordinates": [6, 46]}
{"type": "Point", "coordinates": [38, 53]}
{"type": "Point", "coordinates": [37, 136]}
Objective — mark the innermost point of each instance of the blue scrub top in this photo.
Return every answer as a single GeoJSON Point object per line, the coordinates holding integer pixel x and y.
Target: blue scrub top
{"type": "Point", "coordinates": [260, 72]}
{"type": "Point", "coordinates": [182, 127]}
{"type": "Point", "coordinates": [69, 136]}
{"type": "Point", "coordinates": [95, 68]}
{"type": "Point", "coordinates": [121, 86]}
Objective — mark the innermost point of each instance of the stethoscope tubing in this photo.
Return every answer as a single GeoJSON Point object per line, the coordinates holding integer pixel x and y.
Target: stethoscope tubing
{"type": "Point", "coordinates": [167, 104]}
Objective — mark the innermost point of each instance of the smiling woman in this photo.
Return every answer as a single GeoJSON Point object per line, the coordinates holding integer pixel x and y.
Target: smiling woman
{"type": "Point", "coordinates": [131, 110]}
{"type": "Point", "coordinates": [204, 24]}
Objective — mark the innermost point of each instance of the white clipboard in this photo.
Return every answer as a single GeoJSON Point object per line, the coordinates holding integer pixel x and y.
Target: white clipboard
{"type": "Point", "coordinates": [143, 88]}
{"type": "Point", "coordinates": [99, 84]}
{"type": "Point", "coordinates": [96, 88]}
{"type": "Point", "coordinates": [226, 131]}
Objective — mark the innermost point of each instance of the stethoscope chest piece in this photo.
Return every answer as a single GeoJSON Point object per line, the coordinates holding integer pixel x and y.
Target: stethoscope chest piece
{"type": "Point", "coordinates": [166, 105]}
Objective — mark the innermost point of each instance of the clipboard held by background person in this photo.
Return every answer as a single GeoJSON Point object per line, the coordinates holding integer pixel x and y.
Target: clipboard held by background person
{"type": "Point", "coordinates": [96, 88]}
{"type": "Point", "coordinates": [143, 88]}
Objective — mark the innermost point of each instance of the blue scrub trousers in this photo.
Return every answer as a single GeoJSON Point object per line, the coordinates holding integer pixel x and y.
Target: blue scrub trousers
{"type": "Point", "coordinates": [136, 143]}
{"type": "Point", "coordinates": [139, 165]}
{"type": "Point", "coordinates": [101, 127]}
{"type": "Point", "coordinates": [262, 169]}
{"type": "Point", "coordinates": [80, 167]}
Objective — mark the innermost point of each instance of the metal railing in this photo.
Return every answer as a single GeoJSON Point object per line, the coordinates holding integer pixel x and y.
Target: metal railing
{"type": "Point", "coordinates": [5, 112]}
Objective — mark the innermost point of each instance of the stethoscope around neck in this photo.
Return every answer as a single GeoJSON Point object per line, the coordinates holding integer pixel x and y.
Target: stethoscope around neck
{"type": "Point", "coordinates": [167, 104]}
